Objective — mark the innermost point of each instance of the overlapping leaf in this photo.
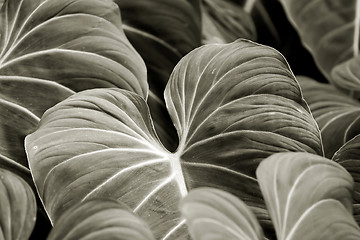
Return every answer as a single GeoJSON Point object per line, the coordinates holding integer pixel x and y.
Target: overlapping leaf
{"type": "Point", "coordinates": [330, 29]}
{"type": "Point", "coordinates": [162, 32]}
{"type": "Point", "coordinates": [308, 197]}
{"type": "Point", "coordinates": [215, 214]}
{"type": "Point", "coordinates": [62, 40]}
{"type": "Point", "coordinates": [224, 21]}
{"type": "Point", "coordinates": [100, 219]}
{"type": "Point", "coordinates": [50, 49]}
{"type": "Point", "coordinates": [348, 156]}
{"type": "Point", "coordinates": [235, 104]}
{"type": "Point", "coordinates": [232, 104]}
{"type": "Point", "coordinates": [337, 115]}
{"type": "Point", "coordinates": [17, 208]}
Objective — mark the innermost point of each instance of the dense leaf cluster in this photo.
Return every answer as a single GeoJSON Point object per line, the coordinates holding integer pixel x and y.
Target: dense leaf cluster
{"type": "Point", "coordinates": [173, 119]}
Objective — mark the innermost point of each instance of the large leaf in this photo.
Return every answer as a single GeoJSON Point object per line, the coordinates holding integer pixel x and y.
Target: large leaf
{"type": "Point", "coordinates": [50, 49]}
{"type": "Point", "coordinates": [17, 208]}
{"type": "Point", "coordinates": [215, 214]}
{"type": "Point", "coordinates": [348, 156]}
{"type": "Point", "coordinates": [337, 114]}
{"type": "Point", "coordinates": [308, 197]}
{"type": "Point", "coordinates": [330, 29]}
{"type": "Point", "coordinates": [77, 43]}
{"type": "Point", "coordinates": [100, 219]}
{"type": "Point", "coordinates": [232, 104]}
{"type": "Point", "coordinates": [225, 21]}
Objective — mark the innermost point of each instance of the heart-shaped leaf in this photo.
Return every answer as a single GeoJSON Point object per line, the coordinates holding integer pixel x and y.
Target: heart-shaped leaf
{"type": "Point", "coordinates": [215, 214]}
{"type": "Point", "coordinates": [337, 114]}
{"type": "Point", "coordinates": [348, 156]}
{"type": "Point", "coordinates": [50, 49]}
{"type": "Point", "coordinates": [306, 195]}
{"type": "Point", "coordinates": [225, 21]}
{"type": "Point", "coordinates": [330, 30]}
{"type": "Point", "coordinates": [100, 219]}
{"type": "Point", "coordinates": [17, 208]}
{"type": "Point", "coordinates": [232, 104]}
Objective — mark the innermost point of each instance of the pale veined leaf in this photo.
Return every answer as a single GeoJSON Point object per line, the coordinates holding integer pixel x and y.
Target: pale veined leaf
{"type": "Point", "coordinates": [337, 114]}
{"type": "Point", "coordinates": [17, 208]}
{"type": "Point", "coordinates": [304, 191]}
{"type": "Point", "coordinates": [327, 220]}
{"type": "Point", "coordinates": [232, 104]}
{"type": "Point", "coordinates": [101, 143]}
{"type": "Point", "coordinates": [330, 29]}
{"type": "Point", "coordinates": [215, 214]}
{"type": "Point", "coordinates": [49, 50]}
{"type": "Point", "coordinates": [348, 156]}
{"type": "Point", "coordinates": [100, 219]}
{"type": "Point", "coordinates": [224, 21]}
{"type": "Point", "coordinates": [77, 43]}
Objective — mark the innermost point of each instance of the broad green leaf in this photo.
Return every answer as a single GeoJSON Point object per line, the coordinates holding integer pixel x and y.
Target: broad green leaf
{"type": "Point", "coordinates": [337, 114]}
{"type": "Point", "coordinates": [232, 104]}
{"type": "Point", "coordinates": [224, 21]}
{"type": "Point", "coordinates": [304, 191]}
{"type": "Point", "coordinates": [17, 208]}
{"type": "Point", "coordinates": [330, 29]}
{"type": "Point", "coordinates": [100, 219]}
{"type": "Point", "coordinates": [348, 156]}
{"type": "Point", "coordinates": [50, 49]}
{"type": "Point", "coordinates": [215, 214]}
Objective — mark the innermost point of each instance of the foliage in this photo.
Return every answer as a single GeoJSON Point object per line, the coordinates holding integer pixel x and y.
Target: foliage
{"type": "Point", "coordinates": [174, 119]}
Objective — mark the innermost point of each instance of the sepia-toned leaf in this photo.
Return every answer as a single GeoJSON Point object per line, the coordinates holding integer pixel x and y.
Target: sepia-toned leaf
{"type": "Point", "coordinates": [232, 104]}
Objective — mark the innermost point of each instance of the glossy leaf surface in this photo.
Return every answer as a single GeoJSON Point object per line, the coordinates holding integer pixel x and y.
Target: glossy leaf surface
{"type": "Point", "coordinates": [50, 49]}
{"type": "Point", "coordinates": [17, 208]}
{"type": "Point", "coordinates": [237, 105]}
{"type": "Point", "coordinates": [348, 156]}
{"type": "Point", "coordinates": [337, 114]}
{"type": "Point", "coordinates": [306, 195]}
{"type": "Point", "coordinates": [215, 214]}
{"type": "Point", "coordinates": [76, 43]}
{"type": "Point", "coordinates": [100, 219]}
{"type": "Point", "coordinates": [330, 29]}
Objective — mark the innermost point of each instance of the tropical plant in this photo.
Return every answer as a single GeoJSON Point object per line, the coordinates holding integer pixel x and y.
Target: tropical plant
{"type": "Point", "coordinates": [159, 122]}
